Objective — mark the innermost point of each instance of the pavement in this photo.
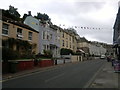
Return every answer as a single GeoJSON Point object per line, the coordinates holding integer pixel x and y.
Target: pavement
{"type": "Point", "coordinates": [104, 78]}
{"type": "Point", "coordinates": [5, 77]}
{"type": "Point", "coordinates": [72, 75]}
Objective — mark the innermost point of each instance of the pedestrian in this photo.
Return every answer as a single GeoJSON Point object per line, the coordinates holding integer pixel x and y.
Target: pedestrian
{"type": "Point", "coordinates": [113, 62]}
{"type": "Point", "coordinates": [108, 59]}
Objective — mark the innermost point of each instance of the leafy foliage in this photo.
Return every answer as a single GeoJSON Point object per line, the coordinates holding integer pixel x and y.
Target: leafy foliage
{"type": "Point", "coordinates": [9, 53]}
{"type": "Point", "coordinates": [65, 51]}
{"type": "Point", "coordinates": [43, 56]}
{"type": "Point", "coordinates": [48, 53]}
{"type": "Point", "coordinates": [42, 17]}
{"type": "Point", "coordinates": [11, 13]}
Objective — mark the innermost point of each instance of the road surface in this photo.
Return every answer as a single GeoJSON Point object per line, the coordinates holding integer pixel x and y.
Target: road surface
{"type": "Point", "coordinates": [74, 75]}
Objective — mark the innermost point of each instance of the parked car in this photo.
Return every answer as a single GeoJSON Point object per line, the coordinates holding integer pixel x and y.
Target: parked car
{"type": "Point", "coordinates": [102, 57]}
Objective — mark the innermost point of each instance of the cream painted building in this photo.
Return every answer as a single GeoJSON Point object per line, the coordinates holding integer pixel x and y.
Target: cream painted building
{"type": "Point", "coordinates": [19, 31]}
{"type": "Point", "coordinates": [68, 40]}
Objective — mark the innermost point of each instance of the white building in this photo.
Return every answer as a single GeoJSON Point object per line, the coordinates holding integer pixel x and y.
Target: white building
{"type": "Point", "coordinates": [96, 49]}
{"type": "Point", "coordinates": [92, 49]}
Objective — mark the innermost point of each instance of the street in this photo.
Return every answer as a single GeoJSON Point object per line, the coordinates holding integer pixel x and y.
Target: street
{"type": "Point", "coordinates": [73, 75]}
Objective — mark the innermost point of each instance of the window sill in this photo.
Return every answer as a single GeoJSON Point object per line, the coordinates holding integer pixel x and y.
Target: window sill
{"type": "Point", "coordinates": [19, 38]}
{"type": "Point", "coordinates": [30, 40]}
{"type": "Point", "coordinates": [5, 35]}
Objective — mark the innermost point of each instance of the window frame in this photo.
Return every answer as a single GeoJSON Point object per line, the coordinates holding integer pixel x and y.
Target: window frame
{"type": "Point", "coordinates": [19, 34]}
{"type": "Point", "coordinates": [5, 29]}
{"type": "Point", "coordinates": [30, 36]}
{"type": "Point", "coordinates": [63, 43]}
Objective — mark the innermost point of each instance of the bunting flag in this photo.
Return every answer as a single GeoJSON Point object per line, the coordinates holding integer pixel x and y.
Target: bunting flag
{"type": "Point", "coordinates": [83, 27]}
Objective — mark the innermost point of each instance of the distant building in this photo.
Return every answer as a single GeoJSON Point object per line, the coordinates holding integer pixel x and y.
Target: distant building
{"type": "Point", "coordinates": [91, 48]}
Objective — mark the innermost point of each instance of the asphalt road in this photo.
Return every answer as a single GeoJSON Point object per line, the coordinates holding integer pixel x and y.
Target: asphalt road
{"type": "Point", "coordinates": [75, 75]}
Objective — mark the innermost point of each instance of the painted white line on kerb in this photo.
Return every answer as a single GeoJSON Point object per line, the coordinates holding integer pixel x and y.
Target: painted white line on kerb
{"type": "Point", "coordinates": [94, 76]}
{"type": "Point", "coordinates": [30, 73]}
{"type": "Point", "coordinates": [33, 73]}
{"type": "Point", "coordinates": [54, 77]}
{"type": "Point", "coordinates": [27, 74]}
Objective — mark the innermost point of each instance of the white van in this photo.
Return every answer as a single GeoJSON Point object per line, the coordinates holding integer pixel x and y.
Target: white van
{"type": "Point", "coordinates": [102, 57]}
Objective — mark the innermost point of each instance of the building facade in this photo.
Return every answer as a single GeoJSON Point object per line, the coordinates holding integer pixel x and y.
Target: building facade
{"type": "Point", "coordinates": [116, 34]}
{"type": "Point", "coordinates": [20, 32]}
{"type": "Point", "coordinates": [91, 48]}
{"type": "Point", "coordinates": [96, 50]}
{"type": "Point", "coordinates": [68, 40]}
{"type": "Point", "coordinates": [48, 35]}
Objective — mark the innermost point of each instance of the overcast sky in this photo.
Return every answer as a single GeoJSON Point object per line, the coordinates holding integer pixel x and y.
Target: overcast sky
{"type": "Point", "coordinates": [80, 13]}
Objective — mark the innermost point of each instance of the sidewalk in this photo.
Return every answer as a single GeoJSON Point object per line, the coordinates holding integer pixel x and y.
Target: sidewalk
{"type": "Point", "coordinates": [26, 72]}
{"type": "Point", "coordinates": [106, 78]}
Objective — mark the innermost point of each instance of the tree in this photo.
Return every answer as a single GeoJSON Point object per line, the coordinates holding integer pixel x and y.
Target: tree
{"type": "Point", "coordinates": [43, 17]}
{"type": "Point", "coordinates": [11, 13]}
{"type": "Point", "coordinates": [65, 51]}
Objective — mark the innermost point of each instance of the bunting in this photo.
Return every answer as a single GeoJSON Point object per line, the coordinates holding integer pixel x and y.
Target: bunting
{"type": "Point", "coordinates": [82, 27]}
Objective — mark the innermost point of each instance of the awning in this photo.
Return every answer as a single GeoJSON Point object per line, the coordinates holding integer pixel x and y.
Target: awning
{"type": "Point", "coordinates": [81, 50]}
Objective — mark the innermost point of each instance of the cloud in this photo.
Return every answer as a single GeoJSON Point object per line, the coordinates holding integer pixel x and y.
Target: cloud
{"type": "Point", "coordinates": [91, 13]}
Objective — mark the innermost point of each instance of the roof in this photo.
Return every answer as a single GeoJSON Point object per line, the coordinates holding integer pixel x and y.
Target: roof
{"type": "Point", "coordinates": [17, 23]}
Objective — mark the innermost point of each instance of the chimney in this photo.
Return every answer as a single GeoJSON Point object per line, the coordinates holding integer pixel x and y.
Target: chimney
{"type": "Point", "coordinates": [29, 13]}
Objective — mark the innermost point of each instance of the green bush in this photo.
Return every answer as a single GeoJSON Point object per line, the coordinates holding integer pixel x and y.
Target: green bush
{"type": "Point", "coordinates": [48, 53]}
{"type": "Point", "coordinates": [9, 54]}
{"type": "Point", "coordinates": [65, 51]}
{"type": "Point", "coordinates": [77, 53]}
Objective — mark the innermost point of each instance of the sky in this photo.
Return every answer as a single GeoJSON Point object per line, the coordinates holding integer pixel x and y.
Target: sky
{"type": "Point", "coordinates": [70, 13]}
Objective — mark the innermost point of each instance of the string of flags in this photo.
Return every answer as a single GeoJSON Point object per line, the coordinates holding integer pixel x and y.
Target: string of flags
{"type": "Point", "coordinates": [82, 27]}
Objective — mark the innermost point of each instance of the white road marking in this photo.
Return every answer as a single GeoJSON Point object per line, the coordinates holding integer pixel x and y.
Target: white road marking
{"type": "Point", "coordinates": [94, 76]}
{"type": "Point", "coordinates": [28, 74]}
{"type": "Point", "coordinates": [54, 77]}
